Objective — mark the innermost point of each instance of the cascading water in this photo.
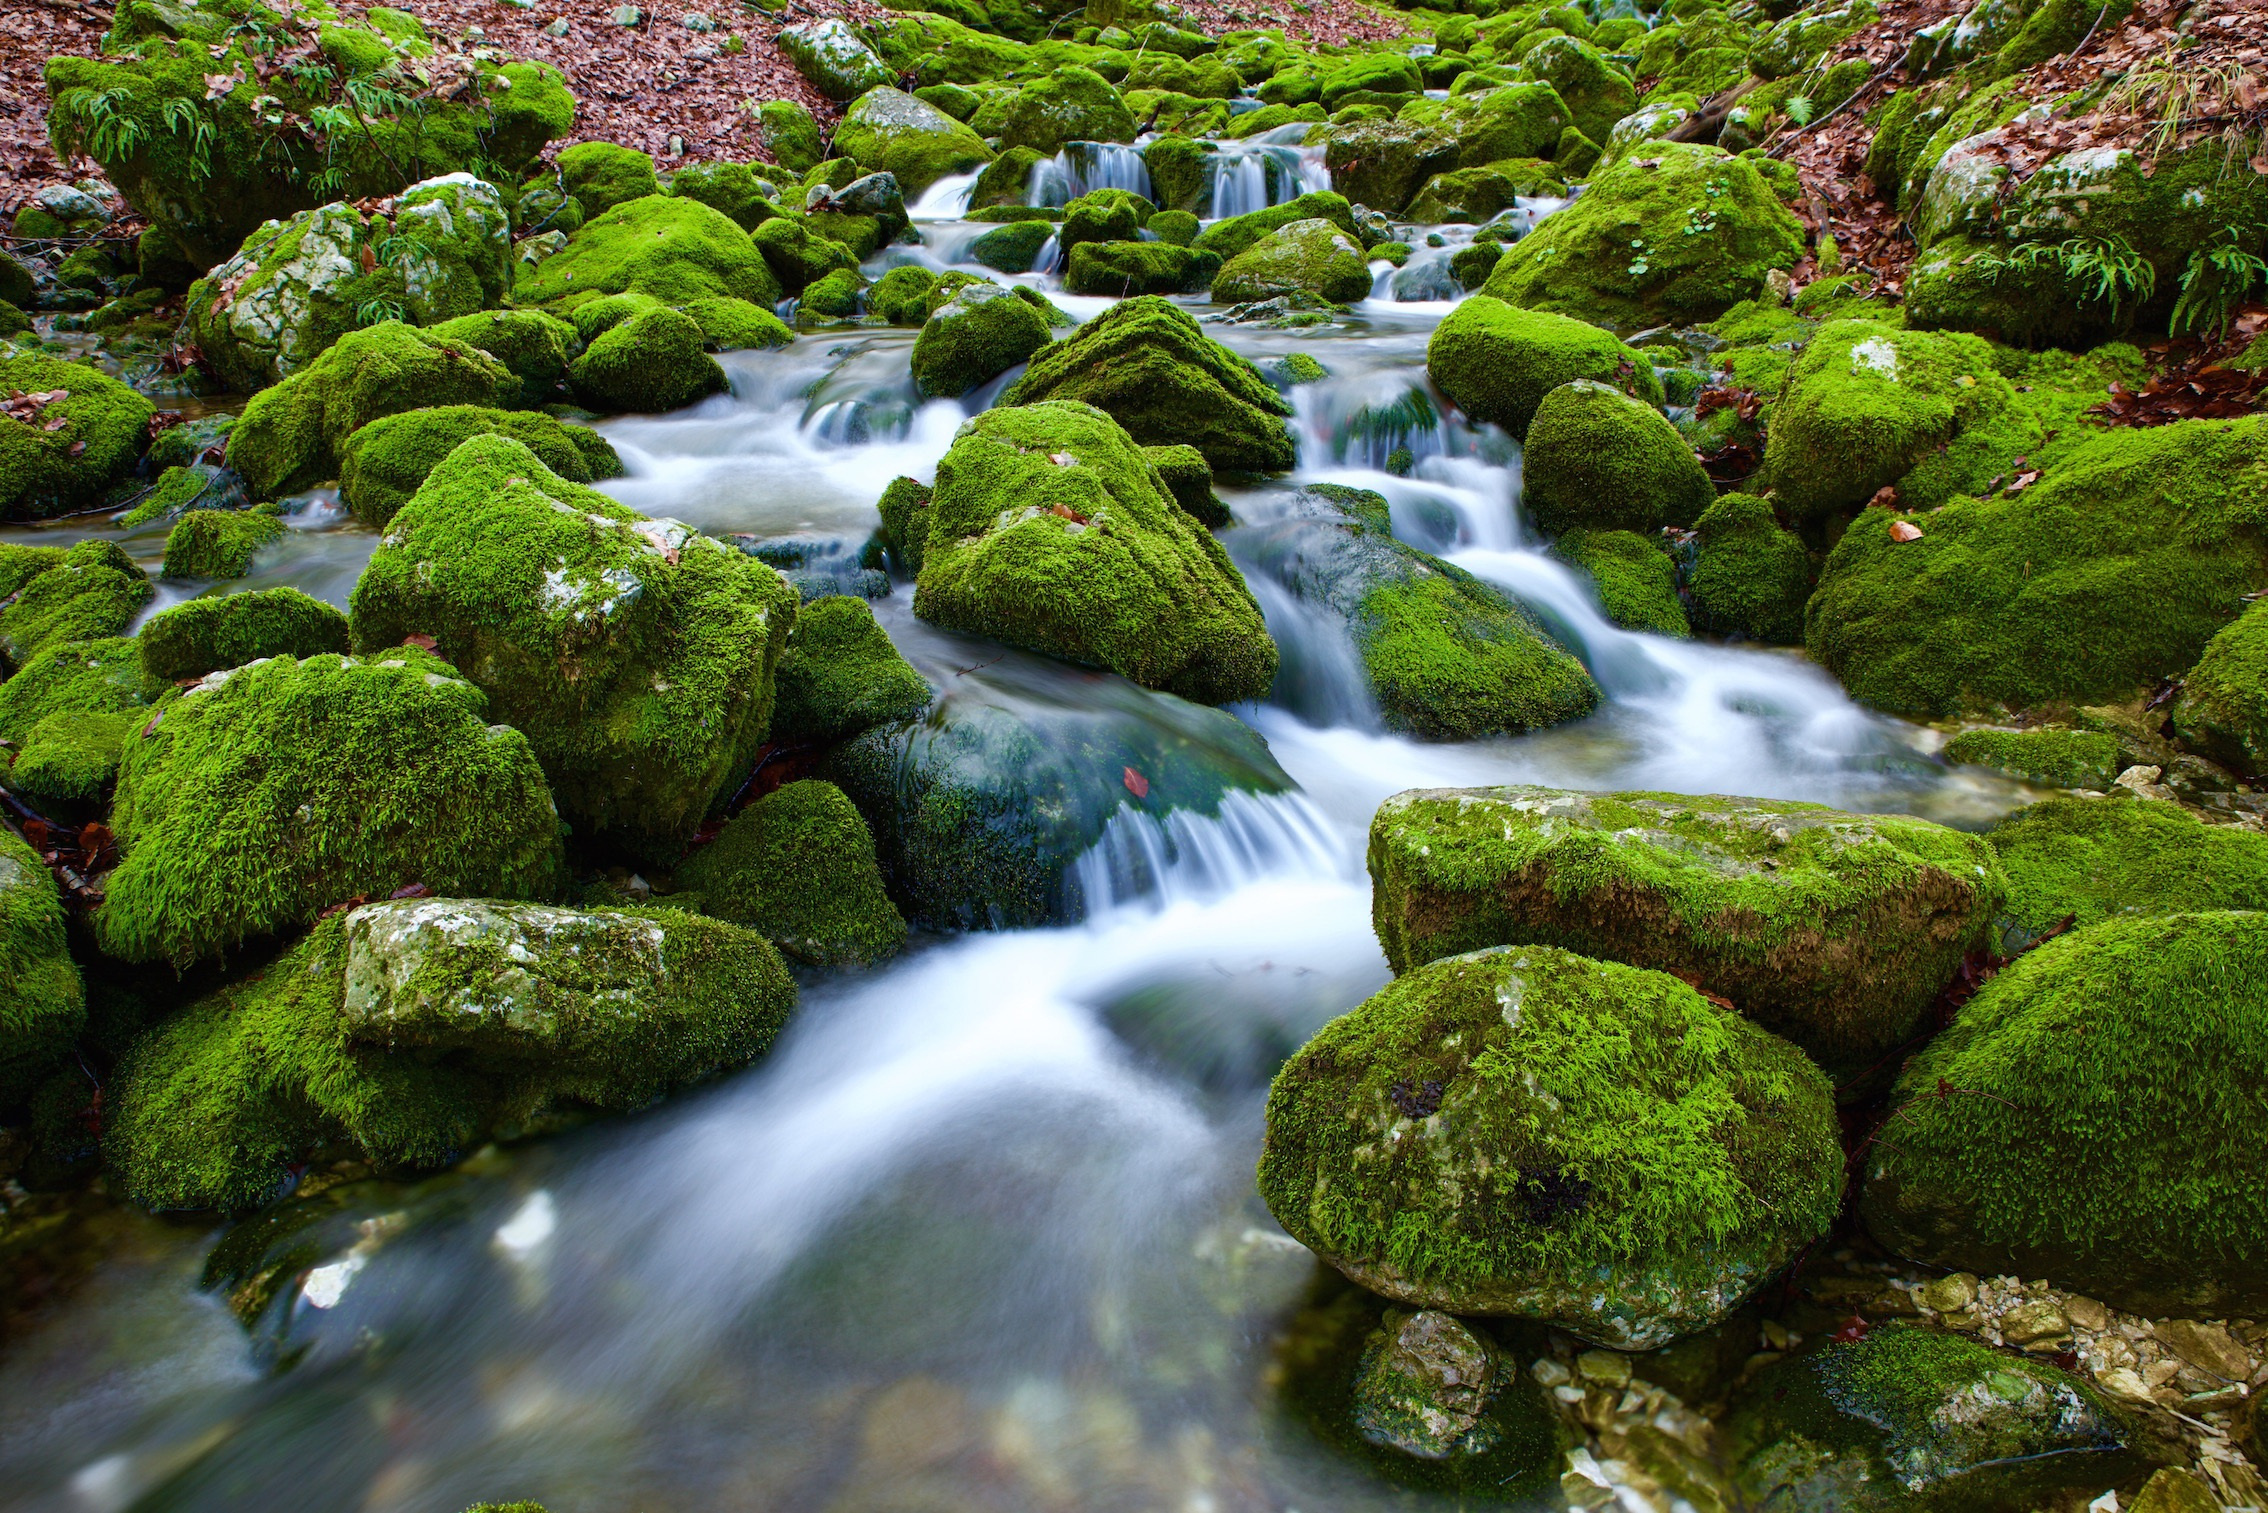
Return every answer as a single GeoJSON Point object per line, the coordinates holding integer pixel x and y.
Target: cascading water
{"type": "Point", "coordinates": [1084, 166]}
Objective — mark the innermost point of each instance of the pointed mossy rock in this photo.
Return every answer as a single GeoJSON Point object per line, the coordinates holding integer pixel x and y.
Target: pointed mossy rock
{"type": "Point", "coordinates": [2120, 857]}
{"type": "Point", "coordinates": [1147, 364]}
{"type": "Point", "coordinates": [1836, 930]}
{"type": "Point", "coordinates": [55, 472]}
{"type": "Point", "coordinates": [1447, 657]}
{"type": "Point", "coordinates": [1906, 1419]}
{"type": "Point", "coordinates": [1050, 530]}
{"type": "Point", "coordinates": [636, 654]}
{"type": "Point", "coordinates": [220, 631]}
{"type": "Point", "coordinates": [1596, 93]}
{"type": "Point", "coordinates": [1496, 362]}
{"type": "Point", "coordinates": [656, 360]}
{"type": "Point", "coordinates": [2223, 708]}
{"type": "Point", "coordinates": [797, 867]}
{"type": "Point", "coordinates": [1597, 459]}
{"type": "Point", "coordinates": [888, 130]}
{"type": "Point", "coordinates": [1526, 1132]}
{"type": "Point", "coordinates": [383, 464]}
{"type": "Point", "coordinates": [253, 801]}
{"type": "Point", "coordinates": [87, 593]}
{"type": "Point", "coordinates": [1103, 215]}
{"type": "Point", "coordinates": [978, 334]}
{"type": "Point", "coordinates": [840, 675]}
{"type": "Point", "coordinates": [2118, 1163]}
{"type": "Point", "coordinates": [417, 1028]}
{"type": "Point", "coordinates": [673, 249]}
{"type": "Point", "coordinates": [1304, 257]}
{"type": "Point", "coordinates": [2115, 570]}
{"type": "Point", "coordinates": [213, 544]}
{"type": "Point", "coordinates": [1751, 576]}
{"type": "Point", "coordinates": [42, 1004]}
{"type": "Point", "coordinates": [1634, 577]}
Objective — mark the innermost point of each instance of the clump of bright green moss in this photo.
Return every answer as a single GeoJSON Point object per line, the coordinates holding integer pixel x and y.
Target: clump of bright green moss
{"type": "Point", "coordinates": [91, 591]}
{"type": "Point", "coordinates": [1635, 578]}
{"type": "Point", "coordinates": [673, 249]}
{"type": "Point", "coordinates": [218, 543]}
{"type": "Point", "coordinates": [47, 472]}
{"type": "Point", "coordinates": [978, 334]}
{"type": "Point", "coordinates": [655, 360]}
{"type": "Point", "coordinates": [2223, 708]}
{"type": "Point", "coordinates": [599, 176]}
{"type": "Point", "coordinates": [1751, 576]}
{"type": "Point", "coordinates": [1496, 363]}
{"type": "Point", "coordinates": [42, 1004]}
{"type": "Point", "coordinates": [228, 630]}
{"type": "Point", "coordinates": [79, 677]}
{"type": "Point", "coordinates": [2094, 859]}
{"type": "Point", "coordinates": [797, 866]}
{"type": "Point", "coordinates": [1598, 460]}
{"type": "Point", "coordinates": [2057, 758]}
{"type": "Point", "coordinates": [840, 674]}
{"type": "Point", "coordinates": [382, 464]}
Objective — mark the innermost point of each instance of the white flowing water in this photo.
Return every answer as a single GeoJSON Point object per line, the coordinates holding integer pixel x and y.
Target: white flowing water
{"type": "Point", "coordinates": [980, 1233]}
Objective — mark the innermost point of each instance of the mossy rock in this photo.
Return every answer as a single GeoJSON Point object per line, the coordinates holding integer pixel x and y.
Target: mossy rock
{"type": "Point", "coordinates": [1232, 236]}
{"type": "Point", "coordinates": [1836, 930]}
{"type": "Point", "coordinates": [56, 472]}
{"type": "Point", "coordinates": [1493, 125]}
{"type": "Point", "coordinates": [904, 507]}
{"type": "Point", "coordinates": [220, 631]}
{"type": "Point", "coordinates": [1494, 1134]}
{"type": "Point", "coordinates": [1596, 92]}
{"type": "Point", "coordinates": [102, 676]}
{"type": "Point", "coordinates": [1474, 195]}
{"type": "Point", "coordinates": [791, 135]}
{"type": "Point", "coordinates": [42, 1003]}
{"type": "Point", "coordinates": [2056, 758]}
{"type": "Point", "coordinates": [289, 436]}
{"type": "Point", "coordinates": [414, 1029]}
{"type": "Point", "coordinates": [673, 249]}
{"type": "Point", "coordinates": [1005, 181]}
{"type": "Point", "coordinates": [254, 801]}
{"type": "Point", "coordinates": [901, 296]}
{"type": "Point", "coordinates": [976, 335]}
{"type": "Point", "coordinates": [732, 188]}
{"type": "Point", "coordinates": [636, 654]}
{"type": "Point", "coordinates": [797, 866]}
{"type": "Point", "coordinates": [1674, 233]}
{"type": "Point", "coordinates": [887, 129]}
{"type": "Point", "coordinates": [91, 591]}
{"type": "Point", "coordinates": [2223, 708]}
{"type": "Point", "coordinates": [2115, 570]}
{"type": "Point", "coordinates": [1304, 257]}
{"type": "Point", "coordinates": [598, 176]}
{"type": "Point", "coordinates": [1071, 104]}
{"type": "Point", "coordinates": [1012, 248]}
{"type": "Point", "coordinates": [1050, 530]}
{"type": "Point", "coordinates": [1103, 215]}
{"type": "Point", "coordinates": [656, 360]}
{"type": "Point", "coordinates": [215, 544]}
{"type": "Point", "coordinates": [1497, 362]}
{"type": "Point", "coordinates": [68, 762]}
{"type": "Point", "coordinates": [1597, 459]}
{"type": "Point", "coordinates": [1635, 579]}
{"type": "Point", "coordinates": [840, 295]}
{"type": "Point", "coordinates": [2119, 857]}
{"type": "Point", "coordinates": [1905, 1419]}
{"type": "Point", "coordinates": [1179, 177]}
{"type": "Point", "coordinates": [1127, 269]}
{"type": "Point", "coordinates": [383, 464]}
{"type": "Point", "coordinates": [834, 58]}
{"type": "Point", "coordinates": [2114, 1163]}
{"type": "Point", "coordinates": [840, 675]}
{"type": "Point", "coordinates": [533, 346]}
{"type": "Point", "coordinates": [1148, 365]}
{"type": "Point", "coordinates": [796, 256]}
{"type": "Point", "coordinates": [1383, 163]}
{"type": "Point", "coordinates": [1446, 656]}
{"type": "Point", "coordinates": [1189, 478]}
{"type": "Point", "coordinates": [1750, 575]}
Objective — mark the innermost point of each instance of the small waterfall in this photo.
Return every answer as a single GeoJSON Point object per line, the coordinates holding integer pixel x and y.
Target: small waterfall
{"type": "Point", "coordinates": [1084, 166]}
{"type": "Point", "coordinates": [1044, 260]}
{"type": "Point", "coordinates": [1156, 861]}
{"type": "Point", "coordinates": [1319, 675]}
{"type": "Point", "coordinates": [1249, 176]}
{"type": "Point", "coordinates": [1240, 184]}
{"type": "Point", "coordinates": [1366, 419]}
{"type": "Point", "coordinates": [945, 200]}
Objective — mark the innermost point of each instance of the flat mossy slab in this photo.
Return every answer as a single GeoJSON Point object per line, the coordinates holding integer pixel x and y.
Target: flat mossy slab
{"type": "Point", "coordinates": [1909, 1420]}
{"type": "Point", "coordinates": [1526, 1132]}
{"type": "Point", "coordinates": [2055, 758]}
{"type": "Point", "coordinates": [1836, 930]}
{"type": "Point", "coordinates": [2096, 859]}
{"type": "Point", "coordinates": [797, 866]}
{"type": "Point", "coordinates": [2121, 1162]}
{"type": "Point", "coordinates": [42, 1004]}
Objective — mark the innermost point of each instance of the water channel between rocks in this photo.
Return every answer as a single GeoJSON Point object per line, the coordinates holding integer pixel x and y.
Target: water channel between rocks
{"type": "Point", "coordinates": [981, 1232]}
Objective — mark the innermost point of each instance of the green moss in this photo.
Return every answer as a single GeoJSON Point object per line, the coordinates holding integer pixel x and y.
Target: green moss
{"type": "Point", "coordinates": [1750, 576]}
{"type": "Point", "coordinates": [77, 677]}
{"type": "Point", "coordinates": [635, 653]}
{"type": "Point", "coordinates": [94, 590]}
{"type": "Point", "coordinates": [533, 346]}
{"type": "Point", "coordinates": [1598, 460]}
{"type": "Point", "coordinates": [42, 1005]}
{"type": "Point", "coordinates": [904, 507]}
{"type": "Point", "coordinates": [383, 464]}
{"type": "Point", "coordinates": [69, 760]}
{"type": "Point", "coordinates": [218, 543]}
{"type": "Point", "coordinates": [1005, 181]}
{"type": "Point", "coordinates": [228, 630]}
{"type": "Point", "coordinates": [47, 472]}
{"type": "Point", "coordinates": [840, 674]}
{"type": "Point", "coordinates": [1012, 248]}
{"type": "Point", "coordinates": [1635, 579]}
{"type": "Point", "coordinates": [1310, 257]}
{"type": "Point", "coordinates": [1234, 235]}
{"type": "Point", "coordinates": [1178, 176]}
{"type": "Point", "coordinates": [2056, 758]}
{"type": "Point", "coordinates": [673, 249]}
{"type": "Point", "coordinates": [795, 256]}
{"type": "Point", "coordinates": [1090, 559]}
{"type": "Point", "coordinates": [254, 802]}
{"type": "Point", "coordinates": [176, 490]}
{"type": "Point", "coordinates": [790, 135]}
{"type": "Point", "coordinates": [19, 564]}
{"type": "Point", "coordinates": [835, 296]}
{"type": "Point", "coordinates": [1178, 227]}
{"type": "Point", "coordinates": [1496, 362]}
{"type": "Point", "coordinates": [2223, 708]}
{"type": "Point", "coordinates": [2104, 1084]}
{"type": "Point", "coordinates": [1525, 1131]}
{"type": "Point", "coordinates": [901, 296]}
{"type": "Point", "coordinates": [1126, 269]}
{"type": "Point", "coordinates": [599, 176]}
{"type": "Point", "coordinates": [2096, 859]}
{"type": "Point", "coordinates": [1189, 478]}
{"type": "Point", "coordinates": [728, 187]}
{"type": "Point", "coordinates": [2114, 571]}
{"type": "Point", "coordinates": [1514, 121]}
{"type": "Point", "coordinates": [888, 129]}
{"type": "Point", "coordinates": [979, 333]}
{"type": "Point", "coordinates": [797, 866]}
{"type": "Point", "coordinates": [1836, 930]}
{"type": "Point", "coordinates": [1103, 215]}
{"type": "Point", "coordinates": [1674, 232]}
{"type": "Point", "coordinates": [656, 360]}
{"type": "Point", "coordinates": [1147, 364]}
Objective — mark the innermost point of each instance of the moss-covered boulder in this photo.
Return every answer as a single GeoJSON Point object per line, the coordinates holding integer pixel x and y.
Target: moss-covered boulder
{"type": "Point", "coordinates": [1007, 180]}
{"type": "Point", "coordinates": [797, 866]}
{"type": "Point", "coordinates": [2120, 857]}
{"type": "Point", "coordinates": [1905, 1418]}
{"type": "Point", "coordinates": [290, 436]}
{"type": "Point", "coordinates": [1012, 248]}
{"type": "Point", "coordinates": [2115, 570]}
{"type": "Point", "coordinates": [1597, 459]}
{"type": "Point", "coordinates": [1836, 930]}
{"type": "Point", "coordinates": [901, 296]}
{"type": "Point", "coordinates": [1305, 257]}
{"type": "Point", "coordinates": [1527, 1132]}
{"type": "Point", "coordinates": [1675, 232]}
{"type": "Point", "coordinates": [656, 360]}
{"type": "Point", "coordinates": [50, 469]}
{"type": "Point", "coordinates": [797, 256]}
{"type": "Point", "coordinates": [215, 544]}
{"type": "Point", "coordinates": [1049, 529]}
{"type": "Point", "coordinates": [636, 654]}
{"type": "Point", "coordinates": [2223, 708]}
{"type": "Point", "coordinates": [886, 129]}
{"type": "Point", "coordinates": [1103, 215]}
{"type": "Point", "coordinates": [976, 335]}
{"type": "Point", "coordinates": [91, 591]}
{"type": "Point", "coordinates": [791, 135]}
{"type": "Point", "coordinates": [1474, 196]}
{"type": "Point", "coordinates": [73, 677]}
{"type": "Point", "coordinates": [533, 346]}
{"type": "Point", "coordinates": [598, 176]}
{"type": "Point", "coordinates": [840, 675]}
{"type": "Point", "coordinates": [834, 58]}
{"type": "Point", "coordinates": [68, 762]}
{"type": "Point", "coordinates": [411, 1030]}
{"type": "Point", "coordinates": [255, 800]}
{"type": "Point", "coordinates": [1189, 478]}
{"type": "Point", "coordinates": [1148, 365]}
{"type": "Point", "coordinates": [383, 464]}
{"type": "Point", "coordinates": [1597, 93]}
{"type": "Point", "coordinates": [1634, 577]}
{"type": "Point", "coordinates": [1495, 125]}
{"type": "Point", "coordinates": [732, 188]}
{"type": "Point", "coordinates": [220, 631]}
{"type": "Point", "coordinates": [1232, 236]}
{"type": "Point", "coordinates": [1445, 656]}
{"type": "Point", "coordinates": [1751, 576]}
{"type": "Point", "coordinates": [1496, 362]}
{"type": "Point", "coordinates": [42, 1004]}
{"type": "Point", "coordinates": [673, 249]}
{"type": "Point", "coordinates": [1127, 269]}
{"type": "Point", "coordinates": [2053, 757]}
{"type": "Point", "coordinates": [1382, 163]}
{"type": "Point", "coordinates": [2115, 1163]}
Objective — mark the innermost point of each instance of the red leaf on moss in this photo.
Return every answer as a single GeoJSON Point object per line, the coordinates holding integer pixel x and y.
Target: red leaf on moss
{"type": "Point", "coordinates": [1137, 784]}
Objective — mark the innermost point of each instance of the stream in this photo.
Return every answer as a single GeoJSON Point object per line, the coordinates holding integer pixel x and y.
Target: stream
{"type": "Point", "coordinates": [981, 1232]}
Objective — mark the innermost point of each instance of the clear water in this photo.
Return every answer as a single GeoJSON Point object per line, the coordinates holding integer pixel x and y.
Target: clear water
{"type": "Point", "coordinates": [981, 1233]}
